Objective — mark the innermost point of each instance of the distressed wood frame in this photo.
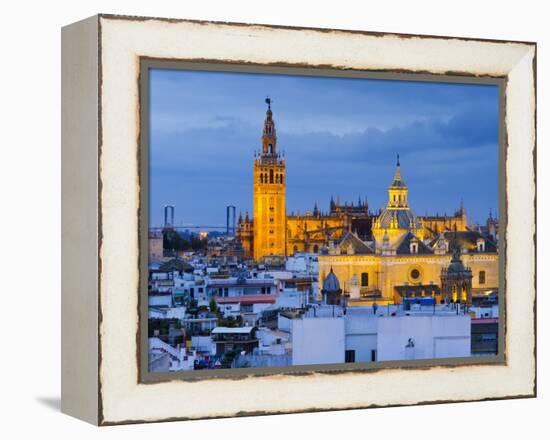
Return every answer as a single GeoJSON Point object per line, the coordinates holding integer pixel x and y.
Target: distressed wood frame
{"type": "Point", "coordinates": [101, 200]}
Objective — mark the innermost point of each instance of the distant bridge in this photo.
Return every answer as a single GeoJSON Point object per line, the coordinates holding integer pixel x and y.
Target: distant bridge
{"type": "Point", "coordinates": [181, 228]}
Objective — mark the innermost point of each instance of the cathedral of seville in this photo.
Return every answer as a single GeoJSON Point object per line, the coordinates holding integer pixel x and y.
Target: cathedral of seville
{"type": "Point", "coordinates": [375, 257]}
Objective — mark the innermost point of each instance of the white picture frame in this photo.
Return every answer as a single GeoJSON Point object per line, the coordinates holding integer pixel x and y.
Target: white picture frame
{"type": "Point", "coordinates": [101, 200]}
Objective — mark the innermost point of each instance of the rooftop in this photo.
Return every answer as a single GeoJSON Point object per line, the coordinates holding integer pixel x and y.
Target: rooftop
{"type": "Point", "coordinates": [247, 299]}
{"type": "Point", "coordinates": [238, 330]}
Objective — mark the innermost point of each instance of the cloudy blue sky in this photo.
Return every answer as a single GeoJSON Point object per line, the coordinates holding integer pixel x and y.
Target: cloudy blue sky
{"type": "Point", "coordinates": [340, 137]}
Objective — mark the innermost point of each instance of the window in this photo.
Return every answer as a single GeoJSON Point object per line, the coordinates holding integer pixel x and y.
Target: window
{"type": "Point", "coordinates": [373, 355]}
{"type": "Point", "coordinates": [415, 274]}
{"type": "Point", "coordinates": [315, 249]}
{"type": "Point", "coordinates": [364, 279]}
{"type": "Point", "coordinates": [270, 176]}
{"type": "Point", "coordinates": [270, 148]}
{"type": "Point", "coordinates": [414, 248]}
{"type": "Point", "coordinates": [281, 180]}
{"type": "Point", "coordinates": [350, 356]}
{"type": "Point", "coordinates": [261, 178]}
{"type": "Point", "coordinates": [481, 277]}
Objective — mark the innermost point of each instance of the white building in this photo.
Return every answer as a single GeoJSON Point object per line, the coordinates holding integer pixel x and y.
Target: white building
{"type": "Point", "coordinates": [238, 286]}
{"type": "Point", "coordinates": [423, 337]}
{"type": "Point", "coordinates": [273, 342]}
{"type": "Point", "coordinates": [246, 304]}
{"type": "Point", "coordinates": [203, 344]}
{"type": "Point", "coordinates": [291, 299]}
{"type": "Point", "coordinates": [303, 263]}
{"type": "Point", "coordinates": [160, 299]}
{"type": "Point", "coordinates": [167, 312]}
{"type": "Point", "coordinates": [318, 339]}
{"type": "Point", "coordinates": [180, 358]}
{"type": "Point", "coordinates": [361, 334]}
{"type": "Point", "coordinates": [329, 334]}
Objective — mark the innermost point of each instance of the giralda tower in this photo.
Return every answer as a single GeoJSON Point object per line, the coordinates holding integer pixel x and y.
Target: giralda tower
{"type": "Point", "coordinates": [269, 194]}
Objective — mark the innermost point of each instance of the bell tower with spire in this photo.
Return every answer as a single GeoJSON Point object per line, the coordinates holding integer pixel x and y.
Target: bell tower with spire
{"type": "Point", "coordinates": [269, 194]}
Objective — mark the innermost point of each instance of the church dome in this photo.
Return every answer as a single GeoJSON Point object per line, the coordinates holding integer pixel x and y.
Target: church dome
{"type": "Point", "coordinates": [331, 283]}
{"type": "Point", "coordinates": [405, 219]}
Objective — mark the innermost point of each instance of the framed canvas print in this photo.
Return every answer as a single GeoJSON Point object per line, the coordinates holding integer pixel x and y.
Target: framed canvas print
{"type": "Point", "coordinates": [262, 219]}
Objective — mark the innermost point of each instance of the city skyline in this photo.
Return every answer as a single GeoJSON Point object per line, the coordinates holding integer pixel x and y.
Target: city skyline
{"type": "Point", "coordinates": [340, 138]}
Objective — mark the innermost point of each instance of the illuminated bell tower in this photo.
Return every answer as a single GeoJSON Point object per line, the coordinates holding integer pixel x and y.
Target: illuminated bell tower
{"type": "Point", "coordinates": [269, 194]}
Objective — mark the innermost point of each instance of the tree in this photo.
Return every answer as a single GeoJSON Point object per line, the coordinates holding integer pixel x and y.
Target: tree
{"type": "Point", "coordinates": [227, 322]}
{"type": "Point", "coordinates": [192, 307]}
{"type": "Point", "coordinates": [213, 306]}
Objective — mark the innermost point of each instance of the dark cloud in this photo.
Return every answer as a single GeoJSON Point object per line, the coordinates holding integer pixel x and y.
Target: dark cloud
{"type": "Point", "coordinates": [202, 145]}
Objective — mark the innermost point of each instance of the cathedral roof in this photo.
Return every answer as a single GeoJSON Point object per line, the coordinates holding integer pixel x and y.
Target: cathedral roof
{"type": "Point", "coordinates": [358, 245]}
{"type": "Point", "coordinates": [331, 284]}
{"type": "Point", "coordinates": [404, 248]}
{"type": "Point", "coordinates": [467, 240]}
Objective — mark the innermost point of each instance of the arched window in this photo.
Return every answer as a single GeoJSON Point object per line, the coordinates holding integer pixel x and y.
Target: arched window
{"type": "Point", "coordinates": [315, 249]}
{"type": "Point", "coordinates": [281, 179]}
{"type": "Point", "coordinates": [261, 178]}
{"type": "Point", "coordinates": [295, 248]}
{"type": "Point", "coordinates": [364, 279]}
{"type": "Point", "coordinates": [481, 277]}
{"type": "Point", "coordinates": [276, 178]}
{"type": "Point", "coordinates": [270, 148]}
{"type": "Point", "coordinates": [270, 176]}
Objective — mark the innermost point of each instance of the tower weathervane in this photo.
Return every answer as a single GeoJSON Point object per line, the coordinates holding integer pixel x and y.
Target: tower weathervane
{"type": "Point", "coordinates": [268, 102]}
{"type": "Point", "coordinates": [398, 159]}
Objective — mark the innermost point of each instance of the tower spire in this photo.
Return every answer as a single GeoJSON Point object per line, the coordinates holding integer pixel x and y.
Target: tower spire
{"type": "Point", "coordinates": [397, 177]}
{"type": "Point", "coordinates": [269, 136]}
